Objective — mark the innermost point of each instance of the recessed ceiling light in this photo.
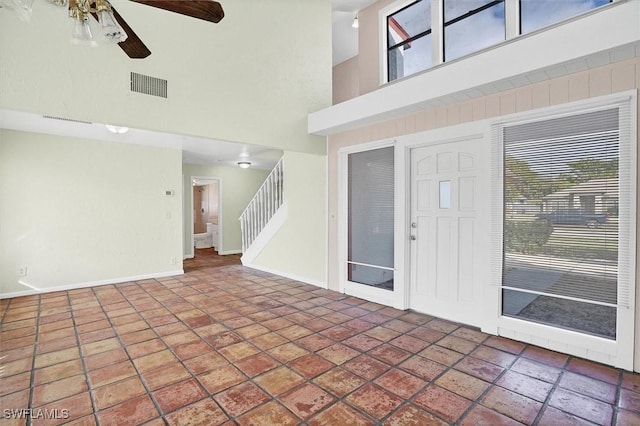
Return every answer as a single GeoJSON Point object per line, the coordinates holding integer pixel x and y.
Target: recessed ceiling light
{"type": "Point", "coordinates": [116, 129]}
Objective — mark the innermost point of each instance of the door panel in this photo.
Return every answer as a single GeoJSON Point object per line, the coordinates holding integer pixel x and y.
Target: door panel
{"type": "Point", "coordinates": [446, 254]}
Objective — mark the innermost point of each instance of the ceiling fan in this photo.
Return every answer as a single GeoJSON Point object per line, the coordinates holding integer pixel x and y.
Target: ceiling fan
{"type": "Point", "coordinates": [113, 23]}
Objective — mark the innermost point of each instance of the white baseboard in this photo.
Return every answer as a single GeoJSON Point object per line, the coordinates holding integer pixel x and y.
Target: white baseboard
{"type": "Point", "coordinates": [90, 284]}
{"type": "Point", "coordinates": [290, 276]}
{"type": "Point", "coordinates": [223, 253]}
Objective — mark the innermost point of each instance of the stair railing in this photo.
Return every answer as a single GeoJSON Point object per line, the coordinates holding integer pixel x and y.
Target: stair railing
{"type": "Point", "coordinates": [263, 206]}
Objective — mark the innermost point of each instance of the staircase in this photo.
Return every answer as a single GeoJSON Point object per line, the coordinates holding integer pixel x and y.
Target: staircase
{"type": "Point", "coordinates": [264, 215]}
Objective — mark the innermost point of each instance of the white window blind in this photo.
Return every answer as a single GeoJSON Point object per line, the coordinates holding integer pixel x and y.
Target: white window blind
{"type": "Point", "coordinates": [561, 227]}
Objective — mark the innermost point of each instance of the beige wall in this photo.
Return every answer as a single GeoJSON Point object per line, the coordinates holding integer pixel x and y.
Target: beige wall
{"type": "Point", "coordinates": [252, 78]}
{"type": "Point", "coordinates": [614, 78]}
{"type": "Point", "coordinates": [299, 249]}
{"type": "Point", "coordinates": [238, 186]}
{"type": "Point", "coordinates": [346, 80]}
{"type": "Point", "coordinates": [78, 212]}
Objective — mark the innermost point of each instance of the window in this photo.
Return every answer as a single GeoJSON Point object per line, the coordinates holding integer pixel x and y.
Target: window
{"type": "Point", "coordinates": [562, 200]}
{"type": "Point", "coordinates": [370, 207]}
{"type": "Point", "coordinates": [472, 25]}
{"type": "Point", "coordinates": [536, 14]}
{"type": "Point", "coordinates": [409, 40]}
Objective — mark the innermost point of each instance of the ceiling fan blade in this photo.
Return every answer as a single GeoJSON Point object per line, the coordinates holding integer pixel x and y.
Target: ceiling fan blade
{"type": "Point", "coordinates": [132, 46]}
{"type": "Point", "coordinates": [208, 10]}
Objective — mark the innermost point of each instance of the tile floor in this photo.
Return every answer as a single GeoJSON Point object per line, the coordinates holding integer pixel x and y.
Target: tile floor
{"type": "Point", "coordinates": [231, 345]}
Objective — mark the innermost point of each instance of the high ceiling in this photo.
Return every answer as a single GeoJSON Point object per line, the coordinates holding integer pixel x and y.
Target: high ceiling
{"type": "Point", "coordinates": [195, 150]}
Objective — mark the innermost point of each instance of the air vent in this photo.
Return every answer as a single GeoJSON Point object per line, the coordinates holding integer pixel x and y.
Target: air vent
{"type": "Point", "coordinates": [148, 85]}
{"type": "Point", "coordinates": [51, 117]}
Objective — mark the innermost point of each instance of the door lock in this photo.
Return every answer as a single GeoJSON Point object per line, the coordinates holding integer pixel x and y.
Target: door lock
{"type": "Point", "coordinates": [412, 237]}
{"type": "Point", "coordinates": [414, 225]}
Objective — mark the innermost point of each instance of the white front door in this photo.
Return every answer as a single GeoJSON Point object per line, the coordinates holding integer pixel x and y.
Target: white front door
{"type": "Point", "coordinates": [449, 230]}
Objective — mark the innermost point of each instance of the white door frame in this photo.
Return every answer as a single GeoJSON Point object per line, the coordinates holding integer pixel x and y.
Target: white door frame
{"type": "Point", "coordinates": [189, 254]}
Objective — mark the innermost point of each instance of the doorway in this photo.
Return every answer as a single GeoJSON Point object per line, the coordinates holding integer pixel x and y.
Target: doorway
{"type": "Point", "coordinates": [205, 228]}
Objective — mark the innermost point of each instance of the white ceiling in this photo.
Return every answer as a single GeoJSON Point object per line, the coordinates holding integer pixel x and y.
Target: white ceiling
{"type": "Point", "coordinates": [194, 150]}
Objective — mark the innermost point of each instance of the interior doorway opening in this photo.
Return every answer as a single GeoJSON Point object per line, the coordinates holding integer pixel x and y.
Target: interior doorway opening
{"type": "Point", "coordinates": [206, 215]}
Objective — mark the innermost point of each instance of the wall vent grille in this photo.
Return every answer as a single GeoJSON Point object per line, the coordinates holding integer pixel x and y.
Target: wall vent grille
{"type": "Point", "coordinates": [148, 85]}
{"type": "Point", "coordinates": [51, 117]}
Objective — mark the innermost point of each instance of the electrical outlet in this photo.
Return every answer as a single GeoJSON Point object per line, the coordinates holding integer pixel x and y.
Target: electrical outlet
{"type": "Point", "coordinates": [174, 260]}
{"type": "Point", "coordinates": [22, 271]}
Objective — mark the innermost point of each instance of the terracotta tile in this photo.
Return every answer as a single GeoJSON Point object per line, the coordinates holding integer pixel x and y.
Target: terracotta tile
{"type": "Point", "coordinates": [581, 406]}
{"type": "Point", "coordinates": [374, 400]}
{"type": "Point", "coordinates": [279, 380]}
{"type": "Point", "coordinates": [319, 324]}
{"type": "Point", "coordinates": [505, 345]}
{"type": "Point", "coordinates": [242, 398]}
{"type": "Point", "coordinates": [16, 401]}
{"type": "Point", "coordinates": [400, 326]}
{"type": "Point", "coordinates": [441, 355]}
{"type": "Point", "coordinates": [589, 387]}
{"type": "Point", "coordinates": [457, 344]}
{"type": "Point", "coordinates": [199, 321]}
{"type": "Point", "coordinates": [381, 333]}
{"type": "Point", "coordinates": [16, 354]}
{"type": "Point", "coordinates": [306, 400]}
{"type": "Point", "coordinates": [209, 330]}
{"type": "Point", "coordinates": [138, 336]}
{"type": "Point", "coordinates": [111, 374]}
{"type": "Point", "coordinates": [294, 332]}
{"type": "Point", "coordinates": [411, 415]}
{"type": "Point", "coordinates": [56, 357]}
{"type": "Point", "coordinates": [440, 401]}
{"type": "Point", "coordinates": [277, 323]}
{"type": "Point", "coordinates": [462, 384]}
{"type": "Point", "coordinates": [59, 389]}
{"type": "Point", "coordinates": [536, 370]}
{"type": "Point", "coordinates": [511, 404]}
{"type": "Point", "coordinates": [271, 413]}
{"type": "Point", "coordinates": [154, 360]}
{"type": "Point", "coordinates": [479, 368]}
{"type": "Point", "coordinates": [167, 375]}
{"type": "Point", "coordinates": [133, 411]}
{"type": "Point", "coordinates": [56, 345]}
{"type": "Point", "coordinates": [97, 335]}
{"type": "Point", "coordinates": [338, 353]}
{"type": "Point", "coordinates": [470, 334]}
{"type": "Point", "coordinates": [221, 378]}
{"type": "Point", "coordinates": [545, 356]}
{"type": "Point", "coordinates": [629, 400]}
{"type": "Point", "coordinates": [482, 416]}
{"type": "Point", "coordinates": [238, 351]}
{"type": "Point", "coordinates": [314, 342]}
{"type": "Point", "coordinates": [389, 354]}
{"type": "Point", "coordinates": [92, 326]}
{"type": "Point", "coordinates": [625, 418]}
{"type": "Point", "coordinates": [256, 364]}
{"type": "Point", "coordinates": [338, 333]}
{"type": "Point", "coordinates": [310, 365]}
{"type": "Point", "coordinates": [442, 325]}
{"type": "Point", "coordinates": [192, 349]}
{"type": "Point", "coordinates": [525, 385]}
{"type": "Point", "coordinates": [58, 371]}
{"type": "Point", "coordinates": [253, 330]}
{"type": "Point", "coordinates": [554, 417]}
{"type": "Point", "coordinates": [400, 383]}
{"type": "Point", "coordinates": [173, 328]}
{"type": "Point", "coordinates": [287, 352]}
{"type": "Point", "coordinates": [100, 346]}
{"type": "Point", "coordinates": [115, 393]}
{"type": "Point", "coordinates": [103, 359]}
{"type": "Point", "coordinates": [17, 366]}
{"type": "Point", "coordinates": [147, 347]}
{"type": "Point", "coordinates": [340, 414]}
{"type": "Point", "coordinates": [15, 383]}
{"type": "Point", "coordinates": [221, 340]}
{"type": "Point", "coordinates": [631, 381]}
{"type": "Point", "coordinates": [205, 362]}
{"type": "Point", "coordinates": [177, 339]}
{"type": "Point", "coordinates": [409, 343]}
{"type": "Point", "coordinates": [339, 381]}
{"type": "Point", "coordinates": [179, 395]}
{"type": "Point", "coordinates": [424, 368]}
{"type": "Point", "coordinates": [494, 356]}
{"type": "Point", "coordinates": [594, 370]}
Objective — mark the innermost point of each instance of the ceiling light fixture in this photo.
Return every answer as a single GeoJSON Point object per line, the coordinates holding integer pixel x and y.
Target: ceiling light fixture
{"type": "Point", "coordinates": [116, 129]}
{"type": "Point", "coordinates": [244, 164]}
{"type": "Point", "coordinates": [355, 22]}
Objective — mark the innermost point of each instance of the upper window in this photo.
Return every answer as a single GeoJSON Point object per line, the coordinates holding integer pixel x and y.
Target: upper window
{"type": "Point", "coordinates": [536, 14]}
{"type": "Point", "coordinates": [409, 40]}
{"type": "Point", "coordinates": [472, 25]}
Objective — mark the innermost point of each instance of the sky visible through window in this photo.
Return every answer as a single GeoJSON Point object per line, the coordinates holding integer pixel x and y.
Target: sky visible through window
{"type": "Point", "coordinates": [473, 33]}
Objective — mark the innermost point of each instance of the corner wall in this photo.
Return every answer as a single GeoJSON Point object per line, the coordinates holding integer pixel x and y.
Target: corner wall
{"type": "Point", "coordinates": [299, 249]}
{"type": "Point", "coordinates": [78, 212]}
